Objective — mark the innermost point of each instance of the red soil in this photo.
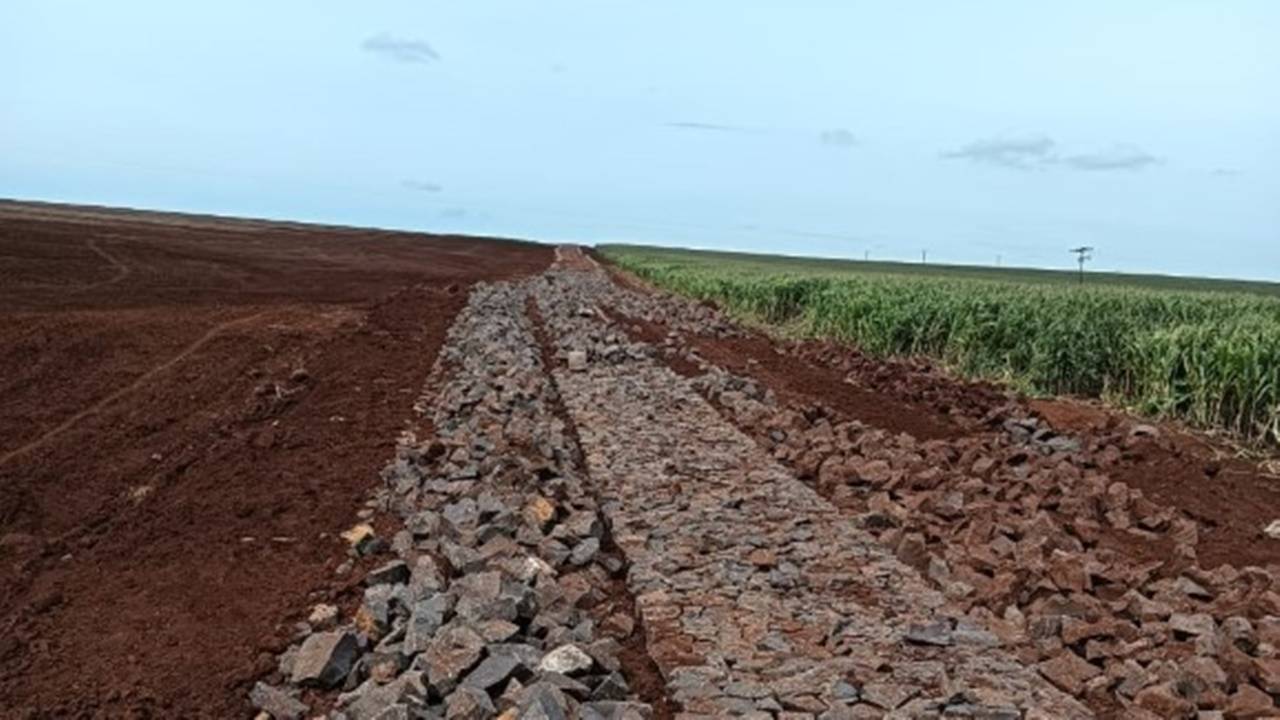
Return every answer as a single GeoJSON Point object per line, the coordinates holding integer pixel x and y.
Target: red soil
{"type": "Point", "coordinates": [1233, 499]}
{"type": "Point", "coordinates": [174, 386]}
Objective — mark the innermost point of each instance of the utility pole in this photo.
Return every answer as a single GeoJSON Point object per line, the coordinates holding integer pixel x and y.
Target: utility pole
{"type": "Point", "coordinates": [1083, 253]}
{"type": "Point", "coordinates": [924, 257]}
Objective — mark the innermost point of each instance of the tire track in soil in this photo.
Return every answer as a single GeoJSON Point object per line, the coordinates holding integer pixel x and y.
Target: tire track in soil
{"type": "Point", "coordinates": [131, 387]}
{"type": "Point", "coordinates": [122, 270]}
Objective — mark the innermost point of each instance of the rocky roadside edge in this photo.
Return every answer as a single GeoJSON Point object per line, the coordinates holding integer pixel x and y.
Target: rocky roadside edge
{"type": "Point", "coordinates": [501, 600]}
{"type": "Point", "coordinates": [1024, 529]}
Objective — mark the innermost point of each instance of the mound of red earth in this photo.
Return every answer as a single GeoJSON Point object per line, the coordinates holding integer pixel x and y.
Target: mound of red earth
{"type": "Point", "coordinates": [192, 407]}
{"type": "Point", "coordinates": [1126, 561]}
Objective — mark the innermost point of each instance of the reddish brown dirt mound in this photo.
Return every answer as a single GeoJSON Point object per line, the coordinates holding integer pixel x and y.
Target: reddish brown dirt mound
{"type": "Point", "coordinates": [797, 382]}
{"type": "Point", "coordinates": [190, 404]}
{"type": "Point", "coordinates": [826, 381]}
{"type": "Point", "coordinates": [898, 395]}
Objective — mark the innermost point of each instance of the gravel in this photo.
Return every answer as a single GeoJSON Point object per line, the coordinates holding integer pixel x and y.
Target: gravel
{"type": "Point", "coordinates": [576, 495]}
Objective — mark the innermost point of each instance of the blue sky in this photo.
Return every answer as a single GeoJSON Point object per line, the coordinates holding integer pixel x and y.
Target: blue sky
{"type": "Point", "coordinates": [1147, 128]}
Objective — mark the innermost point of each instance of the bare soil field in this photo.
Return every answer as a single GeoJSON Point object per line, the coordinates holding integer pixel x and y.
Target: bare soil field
{"type": "Point", "coordinates": [188, 403]}
{"type": "Point", "coordinates": [278, 471]}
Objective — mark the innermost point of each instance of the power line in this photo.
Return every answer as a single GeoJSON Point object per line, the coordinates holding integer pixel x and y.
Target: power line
{"type": "Point", "coordinates": [1083, 254]}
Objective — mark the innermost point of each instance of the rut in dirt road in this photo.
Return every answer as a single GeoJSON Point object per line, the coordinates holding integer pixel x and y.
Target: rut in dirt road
{"type": "Point", "coordinates": [758, 596]}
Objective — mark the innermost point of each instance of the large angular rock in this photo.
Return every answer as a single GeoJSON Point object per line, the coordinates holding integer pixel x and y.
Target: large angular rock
{"type": "Point", "coordinates": [569, 686]}
{"type": "Point", "coordinates": [1165, 702]}
{"type": "Point", "coordinates": [1194, 624]}
{"type": "Point", "coordinates": [936, 633]}
{"type": "Point", "coordinates": [478, 597]}
{"type": "Point", "coordinates": [494, 671]}
{"type": "Point", "coordinates": [468, 703]}
{"type": "Point", "coordinates": [325, 659]}
{"type": "Point", "coordinates": [496, 631]}
{"type": "Point", "coordinates": [584, 552]}
{"type": "Point", "coordinates": [281, 705]}
{"type": "Point", "coordinates": [566, 660]}
{"type": "Point", "coordinates": [1069, 671]}
{"type": "Point", "coordinates": [381, 601]}
{"type": "Point", "coordinates": [396, 571]}
{"type": "Point", "coordinates": [613, 687]}
{"type": "Point", "coordinates": [372, 699]}
{"type": "Point", "coordinates": [426, 617]}
{"type": "Point", "coordinates": [1268, 671]}
{"type": "Point", "coordinates": [453, 651]}
{"type": "Point", "coordinates": [1067, 570]}
{"type": "Point", "coordinates": [527, 655]}
{"type": "Point", "coordinates": [1238, 631]}
{"type": "Point", "coordinates": [542, 701]}
{"type": "Point", "coordinates": [1250, 702]}
{"type": "Point", "coordinates": [461, 515]}
{"type": "Point", "coordinates": [425, 579]}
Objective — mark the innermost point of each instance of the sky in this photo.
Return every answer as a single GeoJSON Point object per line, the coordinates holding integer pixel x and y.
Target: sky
{"type": "Point", "coordinates": [981, 132]}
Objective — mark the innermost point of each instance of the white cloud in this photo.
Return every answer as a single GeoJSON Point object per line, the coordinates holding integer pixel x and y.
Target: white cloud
{"type": "Point", "coordinates": [1022, 153]}
{"type": "Point", "coordinates": [400, 49]}
{"type": "Point", "coordinates": [1120, 157]}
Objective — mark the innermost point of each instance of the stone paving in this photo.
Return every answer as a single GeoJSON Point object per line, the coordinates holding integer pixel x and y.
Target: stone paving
{"type": "Point", "coordinates": [760, 599]}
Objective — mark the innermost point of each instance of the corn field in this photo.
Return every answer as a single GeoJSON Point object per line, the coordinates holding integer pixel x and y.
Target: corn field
{"type": "Point", "coordinates": [1211, 359]}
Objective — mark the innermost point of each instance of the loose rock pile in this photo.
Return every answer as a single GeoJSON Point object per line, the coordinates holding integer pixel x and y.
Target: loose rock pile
{"type": "Point", "coordinates": [1022, 538]}
{"type": "Point", "coordinates": [494, 604]}
{"type": "Point", "coordinates": [1023, 530]}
